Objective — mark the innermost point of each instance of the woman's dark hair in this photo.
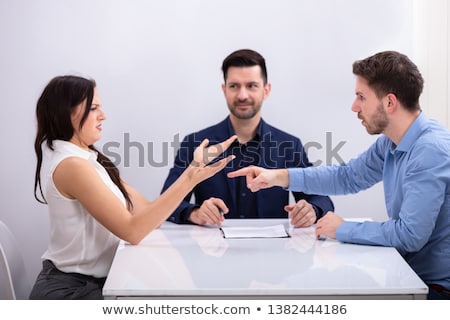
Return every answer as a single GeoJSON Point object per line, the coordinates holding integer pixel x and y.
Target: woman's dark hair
{"type": "Point", "coordinates": [392, 72]}
{"type": "Point", "coordinates": [53, 112]}
{"type": "Point", "coordinates": [244, 58]}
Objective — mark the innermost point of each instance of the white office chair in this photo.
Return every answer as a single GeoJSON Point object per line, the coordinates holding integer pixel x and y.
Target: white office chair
{"type": "Point", "coordinates": [14, 282]}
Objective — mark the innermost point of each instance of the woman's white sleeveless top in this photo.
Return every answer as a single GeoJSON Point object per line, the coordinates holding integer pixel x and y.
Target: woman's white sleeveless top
{"type": "Point", "coordinates": [78, 243]}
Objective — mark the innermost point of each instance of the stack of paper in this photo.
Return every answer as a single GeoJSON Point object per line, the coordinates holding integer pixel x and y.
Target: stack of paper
{"type": "Point", "coordinates": [276, 231]}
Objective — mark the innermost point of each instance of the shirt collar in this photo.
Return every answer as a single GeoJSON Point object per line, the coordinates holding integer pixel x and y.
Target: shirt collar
{"type": "Point", "coordinates": [257, 136]}
{"type": "Point", "coordinates": [413, 133]}
{"type": "Point", "coordinates": [69, 147]}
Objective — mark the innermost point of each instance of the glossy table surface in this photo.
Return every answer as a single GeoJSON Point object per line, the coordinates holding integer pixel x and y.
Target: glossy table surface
{"type": "Point", "coordinates": [188, 261]}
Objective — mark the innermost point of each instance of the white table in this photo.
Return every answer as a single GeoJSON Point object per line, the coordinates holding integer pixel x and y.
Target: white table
{"type": "Point", "coordinates": [196, 262]}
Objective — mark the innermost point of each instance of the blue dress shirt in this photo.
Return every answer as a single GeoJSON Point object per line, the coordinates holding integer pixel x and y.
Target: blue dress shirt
{"type": "Point", "coordinates": [416, 178]}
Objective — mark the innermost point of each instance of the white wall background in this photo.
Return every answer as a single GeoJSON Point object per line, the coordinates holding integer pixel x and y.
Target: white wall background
{"type": "Point", "coordinates": [157, 66]}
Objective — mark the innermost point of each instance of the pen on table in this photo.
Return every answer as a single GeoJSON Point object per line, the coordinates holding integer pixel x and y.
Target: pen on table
{"type": "Point", "coordinates": [222, 218]}
{"type": "Point", "coordinates": [321, 237]}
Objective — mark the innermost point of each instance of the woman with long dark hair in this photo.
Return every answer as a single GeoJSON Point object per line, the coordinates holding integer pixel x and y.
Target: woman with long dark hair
{"type": "Point", "coordinates": [91, 208]}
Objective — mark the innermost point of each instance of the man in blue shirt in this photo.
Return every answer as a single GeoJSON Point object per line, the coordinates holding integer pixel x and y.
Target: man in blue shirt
{"type": "Point", "coordinates": [245, 88]}
{"type": "Point", "coordinates": [412, 158]}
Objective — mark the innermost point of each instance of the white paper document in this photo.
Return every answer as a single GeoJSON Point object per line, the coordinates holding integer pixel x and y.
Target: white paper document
{"type": "Point", "coordinates": [275, 231]}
